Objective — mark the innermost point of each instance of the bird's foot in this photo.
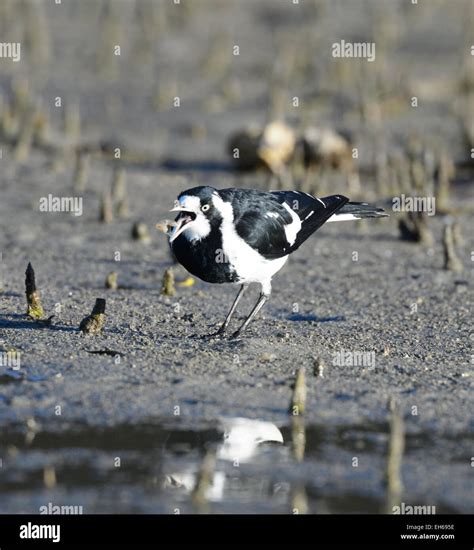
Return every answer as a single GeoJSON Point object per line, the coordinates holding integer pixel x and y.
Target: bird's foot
{"type": "Point", "coordinates": [236, 335]}
{"type": "Point", "coordinates": [221, 333]}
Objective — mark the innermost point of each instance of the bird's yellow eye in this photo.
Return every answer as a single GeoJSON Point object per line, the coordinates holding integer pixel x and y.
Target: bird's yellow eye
{"type": "Point", "coordinates": [205, 207]}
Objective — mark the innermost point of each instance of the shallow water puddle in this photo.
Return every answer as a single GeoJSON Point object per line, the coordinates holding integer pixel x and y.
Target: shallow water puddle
{"type": "Point", "coordinates": [234, 465]}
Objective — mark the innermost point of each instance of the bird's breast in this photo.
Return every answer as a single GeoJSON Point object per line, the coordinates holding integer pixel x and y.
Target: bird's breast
{"type": "Point", "coordinates": [205, 259]}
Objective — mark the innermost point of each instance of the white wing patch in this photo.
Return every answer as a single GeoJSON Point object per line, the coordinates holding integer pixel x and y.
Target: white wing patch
{"type": "Point", "coordinates": [342, 218]}
{"type": "Point", "coordinates": [292, 229]}
{"type": "Point", "coordinates": [249, 265]}
{"type": "Point", "coordinates": [272, 214]}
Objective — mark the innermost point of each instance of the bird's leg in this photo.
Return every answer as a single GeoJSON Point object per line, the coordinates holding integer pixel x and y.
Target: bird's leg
{"type": "Point", "coordinates": [224, 326]}
{"type": "Point", "coordinates": [258, 306]}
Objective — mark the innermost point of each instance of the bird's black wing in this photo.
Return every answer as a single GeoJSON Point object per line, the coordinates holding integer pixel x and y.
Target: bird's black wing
{"type": "Point", "coordinates": [313, 212]}
{"type": "Point", "coordinates": [260, 219]}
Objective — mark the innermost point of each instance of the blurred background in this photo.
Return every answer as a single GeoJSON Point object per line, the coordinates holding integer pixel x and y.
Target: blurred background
{"type": "Point", "coordinates": [186, 51]}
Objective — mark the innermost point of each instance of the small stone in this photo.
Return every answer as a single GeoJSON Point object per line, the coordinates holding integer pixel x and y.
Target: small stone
{"type": "Point", "coordinates": [267, 357]}
{"type": "Point", "coordinates": [318, 367]}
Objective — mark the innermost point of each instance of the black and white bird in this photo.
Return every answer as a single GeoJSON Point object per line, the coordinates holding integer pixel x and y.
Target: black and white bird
{"type": "Point", "coordinates": [244, 236]}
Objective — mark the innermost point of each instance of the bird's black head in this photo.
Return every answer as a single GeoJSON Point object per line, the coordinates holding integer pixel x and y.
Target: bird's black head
{"type": "Point", "coordinates": [196, 213]}
{"type": "Point", "coordinates": [203, 193]}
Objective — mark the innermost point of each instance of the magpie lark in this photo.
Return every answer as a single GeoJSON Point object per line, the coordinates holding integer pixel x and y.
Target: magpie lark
{"type": "Point", "coordinates": [245, 236]}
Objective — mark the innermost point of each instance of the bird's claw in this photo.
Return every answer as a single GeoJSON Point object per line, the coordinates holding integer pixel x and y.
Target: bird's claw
{"type": "Point", "coordinates": [218, 334]}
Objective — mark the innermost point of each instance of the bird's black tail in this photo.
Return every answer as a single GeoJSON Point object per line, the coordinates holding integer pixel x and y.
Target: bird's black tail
{"type": "Point", "coordinates": [359, 210]}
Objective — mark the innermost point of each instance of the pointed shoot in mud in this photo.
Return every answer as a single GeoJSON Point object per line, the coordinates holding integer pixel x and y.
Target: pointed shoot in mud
{"type": "Point", "coordinates": [111, 281]}
{"type": "Point", "coordinates": [94, 323]}
{"type": "Point", "coordinates": [140, 233]}
{"type": "Point", "coordinates": [35, 309]}
{"type": "Point", "coordinates": [396, 447]}
{"type": "Point", "coordinates": [204, 481]}
{"type": "Point", "coordinates": [451, 259]}
{"type": "Point", "coordinates": [298, 399]}
{"type": "Point", "coordinates": [168, 288]}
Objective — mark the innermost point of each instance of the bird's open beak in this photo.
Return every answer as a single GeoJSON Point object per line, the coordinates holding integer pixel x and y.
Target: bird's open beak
{"type": "Point", "coordinates": [182, 221]}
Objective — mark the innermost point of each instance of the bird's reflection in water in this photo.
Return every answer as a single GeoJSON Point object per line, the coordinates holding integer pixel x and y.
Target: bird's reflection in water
{"type": "Point", "coordinates": [242, 441]}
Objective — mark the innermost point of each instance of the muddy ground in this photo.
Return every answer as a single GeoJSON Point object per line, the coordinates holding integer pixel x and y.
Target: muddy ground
{"type": "Point", "coordinates": [158, 399]}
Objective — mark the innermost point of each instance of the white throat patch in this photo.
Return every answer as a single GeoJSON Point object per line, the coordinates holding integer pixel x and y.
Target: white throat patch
{"type": "Point", "coordinates": [198, 229]}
